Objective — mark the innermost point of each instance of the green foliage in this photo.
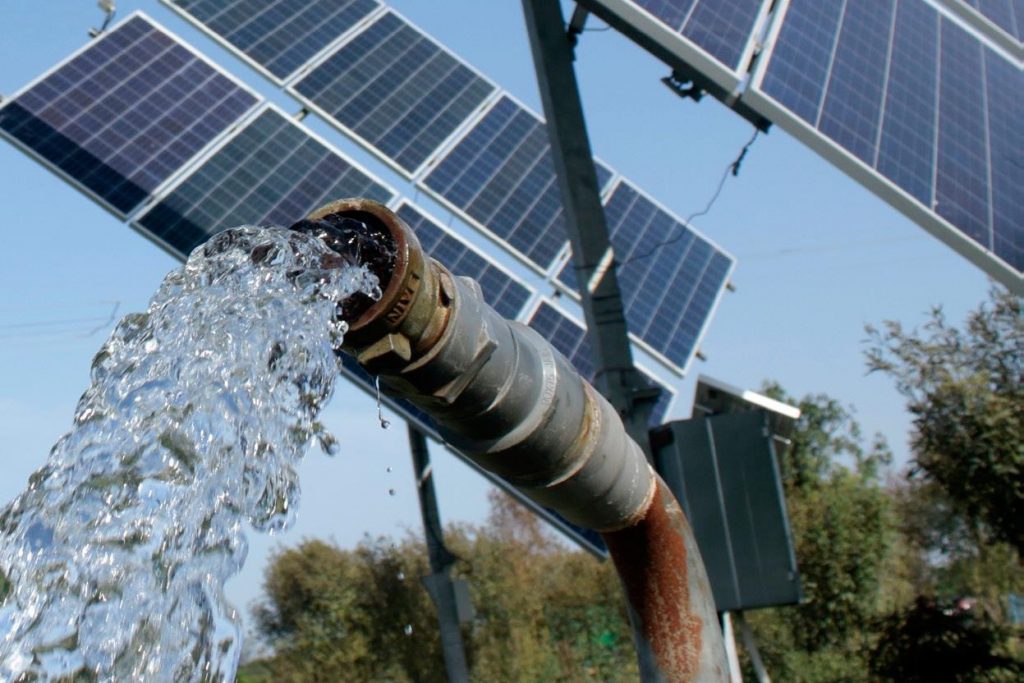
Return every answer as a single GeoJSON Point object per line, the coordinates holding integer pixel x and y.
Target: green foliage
{"type": "Point", "coordinates": [926, 643]}
{"type": "Point", "coordinates": [5, 587]}
{"type": "Point", "coordinates": [543, 612]}
{"type": "Point", "coordinates": [965, 389]}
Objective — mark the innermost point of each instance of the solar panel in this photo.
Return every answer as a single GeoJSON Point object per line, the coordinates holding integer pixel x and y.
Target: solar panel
{"type": "Point", "coordinates": [396, 90]}
{"type": "Point", "coordinates": [711, 38]}
{"type": "Point", "coordinates": [272, 172]}
{"type": "Point", "coordinates": [671, 276]}
{"type": "Point", "coordinates": [570, 339]}
{"type": "Point", "coordinates": [501, 177]}
{"type": "Point", "coordinates": [914, 105]}
{"type": "Point", "coordinates": [278, 37]}
{"type": "Point", "coordinates": [122, 115]}
{"type": "Point", "coordinates": [503, 292]}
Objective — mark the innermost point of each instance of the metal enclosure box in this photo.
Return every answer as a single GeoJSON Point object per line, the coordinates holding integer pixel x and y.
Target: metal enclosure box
{"type": "Point", "coordinates": [724, 472]}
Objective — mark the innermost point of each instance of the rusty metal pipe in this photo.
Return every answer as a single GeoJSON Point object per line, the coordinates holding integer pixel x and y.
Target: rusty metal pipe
{"type": "Point", "coordinates": [501, 395]}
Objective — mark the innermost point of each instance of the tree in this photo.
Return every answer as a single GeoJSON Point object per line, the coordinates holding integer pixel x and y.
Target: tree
{"type": "Point", "coordinates": [965, 390]}
{"type": "Point", "coordinates": [928, 642]}
{"type": "Point", "coordinates": [543, 612]}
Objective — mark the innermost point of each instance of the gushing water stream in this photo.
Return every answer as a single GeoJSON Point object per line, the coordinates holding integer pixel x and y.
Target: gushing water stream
{"type": "Point", "coordinates": [197, 414]}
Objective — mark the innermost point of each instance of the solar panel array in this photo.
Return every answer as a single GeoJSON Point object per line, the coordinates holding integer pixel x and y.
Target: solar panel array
{"type": "Point", "coordinates": [121, 116]}
{"type": "Point", "coordinates": [670, 275]}
{"type": "Point", "coordinates": [570, 339]}
{"type": "Point", "coordinates": [272, 172]}
{"type": "Point", "coordinates": [479, 152]}
{"type": "Point", "coordinates": [501, 176]}
{"type": "Point", "coordinates": [278, 36]}
{"type": "Point", "coordinates": [914, 98]}
{"type": "Point", "coordinates": [396, 90]}
{"type": "Point", "coordinates": [502, 291]}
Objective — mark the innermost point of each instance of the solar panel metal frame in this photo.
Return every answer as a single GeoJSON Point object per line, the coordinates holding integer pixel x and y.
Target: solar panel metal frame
{"type": "Point", "coordinates": [873, 180]}
{"type": "Point", "coordinates": [63, 175]}
{"type": "Point", "coordinates": [199, 161]}
{"type": "Point", "coordinates": [443, 152]}
{"type": "Point", "coordinates": [672, 47]}
{"type": "Point", "coordinates": [349, 36]}
{"type": "Point", "coordinates": [674, 367]}
{"type": "Point", "coordinates": [402, 201]}
{"type": "Point", "coordinates": [530, 310]}
{"type": "Point", "coordinates": [992, 30]}
{"type": "Point", "coordinates": [263, 71]}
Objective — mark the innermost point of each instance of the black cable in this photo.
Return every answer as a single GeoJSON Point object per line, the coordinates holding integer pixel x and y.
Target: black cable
{"type": "Point", "coordinates": [732, 169]}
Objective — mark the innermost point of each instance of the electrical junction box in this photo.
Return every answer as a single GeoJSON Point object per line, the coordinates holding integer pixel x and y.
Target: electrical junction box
{"type": "Point", "coordinates": [722, 467]}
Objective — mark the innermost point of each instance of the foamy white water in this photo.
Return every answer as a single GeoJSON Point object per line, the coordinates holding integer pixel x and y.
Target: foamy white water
{"type": "Point", "coordinates": [197, 415]}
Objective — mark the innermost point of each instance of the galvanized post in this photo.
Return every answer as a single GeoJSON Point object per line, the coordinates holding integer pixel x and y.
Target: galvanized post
{"type": "Point", "coordinates": [439, 583]}
{"type": "Point", "coordinates": [594, 261]}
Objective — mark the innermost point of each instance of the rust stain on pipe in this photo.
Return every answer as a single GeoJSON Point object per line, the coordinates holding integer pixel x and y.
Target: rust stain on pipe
{"type": "Point", "coordinates": [651, 559]}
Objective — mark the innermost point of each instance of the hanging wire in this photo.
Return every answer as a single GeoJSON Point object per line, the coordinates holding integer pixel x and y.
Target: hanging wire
{"type": "Point", "coordinates": [733, 169]}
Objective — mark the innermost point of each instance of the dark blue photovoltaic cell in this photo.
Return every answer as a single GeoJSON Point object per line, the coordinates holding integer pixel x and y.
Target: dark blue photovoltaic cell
{"type": "Point", "coordinates": [506, 295]}
{"type": "Point", "coordinates": [906, 152]}
{"type": "Point", "coordinates": [125, 114]}
{"type": "Point", "coordinates": [279, 35]}
{"type": "Point", "coordinates": [667, 292]}
{"type": "Point", "coordinates": [273, 172]}
{"type": "Point", "coordinates": [801, 56]}
{"type": "Point", "coordinates": [502, 176]}
{"type": "Point", "coordinates": [396, 89]}
{"type": "Point", "coordinates": [723, 28]}
{"type": "Point", "coordinates": [853, 99]}
{"type": "Point", "coordinates": [570, 339]}
{"type": "Point", "coordinates": [949, 109]}
{"type": "Point", "coordinates": [1006, 133]}
{"type": "Point", "coordinates": [961, 185]}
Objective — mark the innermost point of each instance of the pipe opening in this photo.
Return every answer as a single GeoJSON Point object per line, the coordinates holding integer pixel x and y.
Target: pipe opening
{"type": "Point", "coordinates": [360, 238]}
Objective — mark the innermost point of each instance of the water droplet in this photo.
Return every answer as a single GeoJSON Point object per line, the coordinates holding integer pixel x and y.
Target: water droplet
{"type": "Point", "coordinates": [401, 576]}
{"type": "Point", "coordinates": [391, 492]}
{"type": "Point", "coordinates": [384, 424]}
{"type": "Point", "coordinates": [407, 630]}
{"type": "Point", "coordinates": [389, 468]}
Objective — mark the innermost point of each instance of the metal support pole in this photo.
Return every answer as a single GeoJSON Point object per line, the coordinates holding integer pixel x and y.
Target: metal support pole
{"type": "Point", "coordinates": [439, 583]}
{"type": "Point", "coordinates": [593, 258]}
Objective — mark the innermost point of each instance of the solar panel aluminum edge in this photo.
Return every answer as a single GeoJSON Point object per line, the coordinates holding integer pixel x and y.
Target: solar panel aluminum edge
{"type": "Point", "coordinates": [364, 10]}
{"type": "Point", "coordinates": [505, 293]}
{"type": "Point", "coordinates": [450, 132]}
{"type": "Point", "coordinates": [150, 219]}
{"type": "Point", "coordinates": [568, 336]}
{"type": "Point", "coordinates": [1000, 20]}
{"type": "Point", "coordinates": [899, 197]}
{"type": "Point", "coordinates": [636, 296]}
{"type": "Point", "coordinates": [547, 242]}
{"type": "Point", "coordinates": [209, 140]}
{"type": "Point", "coordinates": [670, 44]}
{"type": "Point", "coordinates": [587, 539]}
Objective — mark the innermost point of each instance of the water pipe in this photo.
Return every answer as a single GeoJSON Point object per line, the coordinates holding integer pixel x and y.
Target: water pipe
{"type": "Point", "coordinates": [502, 396]}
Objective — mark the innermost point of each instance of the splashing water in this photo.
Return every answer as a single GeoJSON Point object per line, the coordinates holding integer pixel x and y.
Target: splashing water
{"type": "Point", "coordinates": [198, 412]}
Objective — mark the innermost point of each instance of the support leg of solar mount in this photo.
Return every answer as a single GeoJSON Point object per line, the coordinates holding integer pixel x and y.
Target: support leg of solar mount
{"type": "Point", "coordinates": [439, 583]}
{"type": "Point", "coordinates": [614, 376]}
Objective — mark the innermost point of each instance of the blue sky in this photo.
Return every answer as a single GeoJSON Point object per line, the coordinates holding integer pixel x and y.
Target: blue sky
{"type": "Point", "coordinates": [818, 257]}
